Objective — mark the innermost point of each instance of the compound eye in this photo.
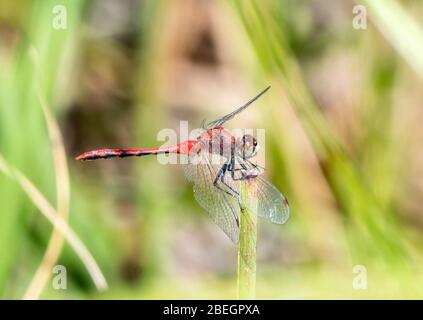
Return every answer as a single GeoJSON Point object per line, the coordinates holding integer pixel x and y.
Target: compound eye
{"type": "Point", "coordinates": [248, 146]}
{"type": "Point", "coordinates": [248, 140]}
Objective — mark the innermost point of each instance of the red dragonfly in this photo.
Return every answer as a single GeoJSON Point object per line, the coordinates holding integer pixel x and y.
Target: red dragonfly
{"type": "Point", "coordinates": [217, 162]}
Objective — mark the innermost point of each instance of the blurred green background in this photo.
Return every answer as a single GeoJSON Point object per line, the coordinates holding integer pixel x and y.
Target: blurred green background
{"type": "Point", "coordinates": [343, 142]}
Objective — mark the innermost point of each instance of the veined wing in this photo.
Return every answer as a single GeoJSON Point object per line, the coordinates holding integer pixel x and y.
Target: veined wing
{"type": "Point", "coordinates": [221, 121]}
{"type": "Point", "coordinates": [220, 206]}
{"type": "Point", "coordinates": [272, 204]}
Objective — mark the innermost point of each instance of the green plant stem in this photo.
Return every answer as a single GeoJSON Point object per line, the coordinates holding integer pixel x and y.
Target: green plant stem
{"type": "Point", "coordinates": [400, 28]}
{"type": "Point", "coordinates": [247, 247]}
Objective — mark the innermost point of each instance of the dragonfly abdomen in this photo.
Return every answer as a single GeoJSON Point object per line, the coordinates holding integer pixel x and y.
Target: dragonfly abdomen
{"type": "Point", "coordinates": [113, 153]}
{"type": "Point", "coordinates": [184, 147]}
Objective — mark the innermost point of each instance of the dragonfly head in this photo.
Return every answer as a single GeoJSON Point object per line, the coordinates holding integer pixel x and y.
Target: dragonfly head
{"type": "Point", "coordinates": [247, 146]}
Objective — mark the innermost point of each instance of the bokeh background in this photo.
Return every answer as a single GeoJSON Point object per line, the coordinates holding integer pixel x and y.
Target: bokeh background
{"type": "Point", "coordinates": [343, 125]}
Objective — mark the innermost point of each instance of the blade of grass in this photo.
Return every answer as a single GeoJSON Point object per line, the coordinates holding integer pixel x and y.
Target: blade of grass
{"type": "Point", "coordinates": [55, 219]}
{"type": "Point", "coordinates": [400, 29]}
{"type": "Point", "coordinates": [56, 241]}
{"type": "Point", "coordinates": [19, 109]}
{"type": "Point", "coordinates": [247, 247]}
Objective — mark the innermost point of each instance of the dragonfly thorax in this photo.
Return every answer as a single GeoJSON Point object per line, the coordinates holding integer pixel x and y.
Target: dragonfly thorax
{"type": "Point", "coordinates": [218, 141]}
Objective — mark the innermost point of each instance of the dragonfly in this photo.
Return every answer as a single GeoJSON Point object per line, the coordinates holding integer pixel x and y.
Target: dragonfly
{"type": "Point", "coordinates": [217, 163]}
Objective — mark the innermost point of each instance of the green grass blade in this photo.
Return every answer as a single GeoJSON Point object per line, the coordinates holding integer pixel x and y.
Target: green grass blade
{"type": "Point", "coordinates": [247, 247]}
{"type": "Point", "coordinates": [400, 29]}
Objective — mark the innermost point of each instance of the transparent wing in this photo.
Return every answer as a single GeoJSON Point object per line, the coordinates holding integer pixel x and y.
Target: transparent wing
{"type": "Point", "coordinates": [272, 204]}
{"type": "Point", "coordinates": [221, 121]}
{"type": "Point", "coordinates": [219, 205]}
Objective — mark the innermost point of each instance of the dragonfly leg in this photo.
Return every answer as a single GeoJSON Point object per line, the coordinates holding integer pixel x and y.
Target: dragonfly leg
{"type": "Point", "coordinates": [243, 168]}
{"type": "Point", "coordinates": [222, 179]}
{"type": "Point", "coordinates": [236, 169]}
{"type": "Point", "coordinates": [254, 165]}
{"type": "Point", "coordinates": [221, 175]}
